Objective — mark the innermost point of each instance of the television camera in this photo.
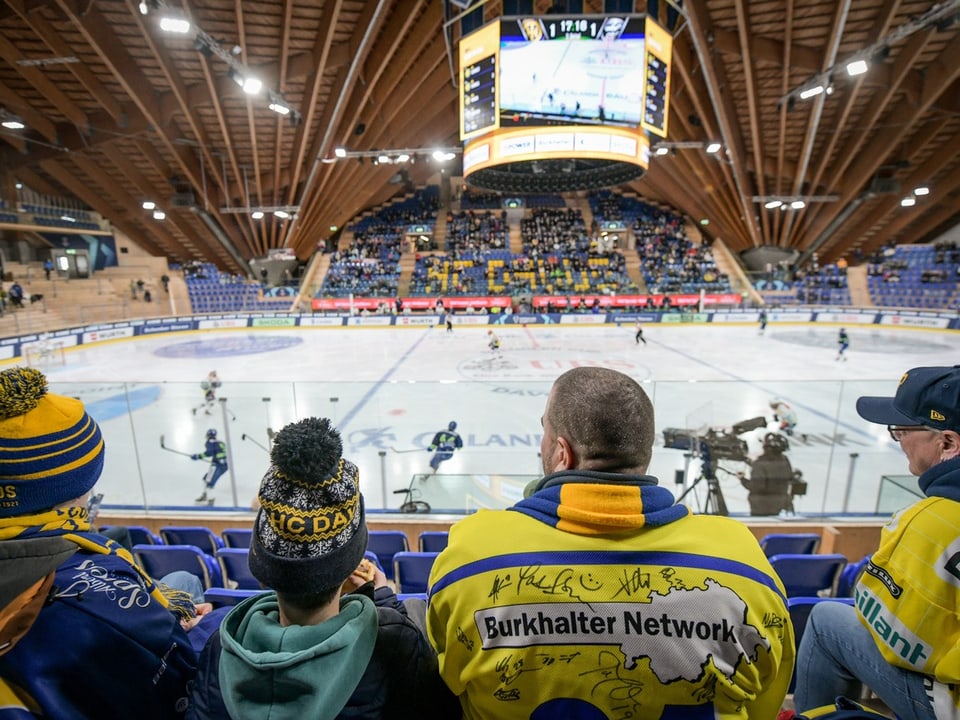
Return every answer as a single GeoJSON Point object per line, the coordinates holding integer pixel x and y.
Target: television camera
{"type": "Point", "coordinates": [713, 445]}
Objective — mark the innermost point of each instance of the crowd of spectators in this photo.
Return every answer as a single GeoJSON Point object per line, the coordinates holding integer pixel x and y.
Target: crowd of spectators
{"type": "Point", "coordinates": [371, 265]}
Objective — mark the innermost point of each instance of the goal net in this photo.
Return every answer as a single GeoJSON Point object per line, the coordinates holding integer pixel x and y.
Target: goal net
{"type": "Point", "coordinates": [45, 354]}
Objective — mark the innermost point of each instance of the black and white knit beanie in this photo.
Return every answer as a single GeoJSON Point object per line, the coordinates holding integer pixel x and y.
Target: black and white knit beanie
{"type": "Point", "coordinates": [310, 532]}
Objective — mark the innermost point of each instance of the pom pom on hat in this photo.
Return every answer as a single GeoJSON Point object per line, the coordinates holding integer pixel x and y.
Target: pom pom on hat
{"type": "Point", "coordinates": [310, 533]}
{"type": "Point", "coordinates": [51, 450]}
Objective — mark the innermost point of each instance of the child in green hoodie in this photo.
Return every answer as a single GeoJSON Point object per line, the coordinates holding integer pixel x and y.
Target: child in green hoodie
{"type": "Point", "coordinates": [305, 650]}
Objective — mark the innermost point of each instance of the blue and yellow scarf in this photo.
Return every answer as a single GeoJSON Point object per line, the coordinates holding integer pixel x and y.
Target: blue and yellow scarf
{"type": "Point", "coordinates": [589, 502]}
{"type": "Point", "coordinates": [73, 524]}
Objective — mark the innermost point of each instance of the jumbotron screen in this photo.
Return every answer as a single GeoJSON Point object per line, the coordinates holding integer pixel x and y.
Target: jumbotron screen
{"type": "Point", "coordinates": [565, 70]}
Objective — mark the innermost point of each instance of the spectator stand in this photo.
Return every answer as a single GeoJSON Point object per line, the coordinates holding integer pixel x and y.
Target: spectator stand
{"type": "Point", "coordinates": [924, 277]}
{"type": "Point", "coordinates": [670, 262]}
{"type": "Point", "coordinates": [370, 266]}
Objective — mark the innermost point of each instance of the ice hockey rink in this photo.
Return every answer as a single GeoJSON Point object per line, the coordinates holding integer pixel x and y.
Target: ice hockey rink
{"type": "Point", "coordinates": [388, 389]}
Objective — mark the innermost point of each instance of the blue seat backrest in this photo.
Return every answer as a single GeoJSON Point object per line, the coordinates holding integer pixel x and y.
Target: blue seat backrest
{"type": "Point", "coordinates": [234, 562]}
{"type": "Point", "coordinates": [236, 537]}
{"type": "Point", "coordinates": [385, 544]}
{"type": "Point", "coordinates": [797, 543]}
{"type": "Point", "coordinates": [203, 537]}
{"type": "Point", "coordinates": [432, 540]}
{"type": "Point", "coordinates": [161, 560]}
{"type": "Point", "coordinates": [808, 574]}
{"type": "Point", "coordinates": [412, 571]}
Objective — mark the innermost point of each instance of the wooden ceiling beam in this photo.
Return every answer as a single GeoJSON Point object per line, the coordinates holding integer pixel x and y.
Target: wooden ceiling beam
{"type": "Point", "coordinates": [32, 118]}
{"type": "Point", "coordinates": [42, 84]}
{"type": "Point", "coordinates": [59, 48]}
{"type": "Point", "coordinates": [886, 139]}
{"type": "Point", "coordinates": [731, 135]}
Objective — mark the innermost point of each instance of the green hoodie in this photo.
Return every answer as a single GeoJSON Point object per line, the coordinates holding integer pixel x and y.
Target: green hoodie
{"type": "Point", "coordinates": [267, 670]}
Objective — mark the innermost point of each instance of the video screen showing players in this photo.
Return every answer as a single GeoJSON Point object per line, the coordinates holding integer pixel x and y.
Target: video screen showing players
{"type": "Point", "coordinates": [572, 70]}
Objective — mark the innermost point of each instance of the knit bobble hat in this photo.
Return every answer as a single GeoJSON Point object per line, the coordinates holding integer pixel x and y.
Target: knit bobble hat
{"type": "Point", "coordinates": [51, 451]}
{"type": "Point", "coordinates": [310, 533]}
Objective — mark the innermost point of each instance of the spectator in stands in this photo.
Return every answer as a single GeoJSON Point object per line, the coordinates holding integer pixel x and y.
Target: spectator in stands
{"type": "Point", "coordinates": [47, 268]}
{"type": "Point", "coordinates": [165, 279]}
{"type": "Point", "coordinates": [84, 632]}
{"type": "Point", "coordinates": [15, 295]}
{"type": "Point", "coordinates": [305, 650]}
{"type": "Point", "coordinates": [901, 638]}
{"type": "Point", "coordinates": [598, 584]}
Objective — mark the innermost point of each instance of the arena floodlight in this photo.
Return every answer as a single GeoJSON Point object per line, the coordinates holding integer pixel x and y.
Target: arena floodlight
{"type": "Point", "coordinates": [174, 24]}
{"type": "Point", "coordinates": [714, 147]}
{"type": "Point", "coordinates": [810, 92]}
{"type": "Point", "coordinates": [908, 202]}
{"type": "Point", "coordinates": [773, 204]}
{"type": "Point", "coordinates": [856, 67]}
{"type": "Point", "coordinates": [922, 190]}
{"type": "Point", "coordinates": [340, 152]}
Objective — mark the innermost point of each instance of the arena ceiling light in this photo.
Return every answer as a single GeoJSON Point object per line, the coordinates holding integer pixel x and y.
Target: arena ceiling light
{"type": "Point", "coordinates": [859, 63]}
{"type": "Point", "coordinates": [713, 147]}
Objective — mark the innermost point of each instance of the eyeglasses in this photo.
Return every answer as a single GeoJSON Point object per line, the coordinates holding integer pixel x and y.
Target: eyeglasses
{"type": "Point", "coordinates": [897, 433]}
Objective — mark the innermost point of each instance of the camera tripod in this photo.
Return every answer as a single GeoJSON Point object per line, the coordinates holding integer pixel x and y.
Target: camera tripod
{"type": "Point", "coordinates": [714, 504]}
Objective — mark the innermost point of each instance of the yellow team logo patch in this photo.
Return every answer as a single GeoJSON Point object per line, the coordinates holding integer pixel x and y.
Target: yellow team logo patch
{"type": "Point", "coordinates": [934, 415]}
{"type": "Point", "coordinates": [903, 379]}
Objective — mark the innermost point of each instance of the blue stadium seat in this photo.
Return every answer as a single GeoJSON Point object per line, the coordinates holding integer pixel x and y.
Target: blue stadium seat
{"type": "Point", "coordinates": [799, 608]}
{"type": "Point", "coordinates": [235, 567]}
{"type": "Point", "coordinates": [385, 544]}
{"type": "Point", "coordinates": [203, 537]}
{"type": "Point", "coordinates": [411, 571]}
{"type": "Point", "coordinates": [236, 537]}
{"type": "Point", "coordinates": [809, 575]}
{"type": "Point", "coordinates": [160, 560]}
{"type": "Point", "coordinates": [432, 540]}
{"type": "Point", "coordinates": [225, 597]}
{"type": "Point", "coordinates": [850, 576]}
{"type": "Point", "coordinates": [796, 543]}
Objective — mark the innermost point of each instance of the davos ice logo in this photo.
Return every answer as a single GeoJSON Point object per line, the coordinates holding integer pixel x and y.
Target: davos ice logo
{"type": "Point", "coordinates": [121, 404]}
{"type": "Point", "coordinates": [227, 347]}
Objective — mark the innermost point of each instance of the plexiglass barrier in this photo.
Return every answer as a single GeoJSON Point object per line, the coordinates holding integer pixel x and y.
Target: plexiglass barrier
{"type": "Point", "coordinates": [152, 430]}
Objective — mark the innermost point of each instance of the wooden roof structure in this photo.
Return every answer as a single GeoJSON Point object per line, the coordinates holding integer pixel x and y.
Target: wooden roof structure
{"type": "Point", "coordinates": [117, 111]}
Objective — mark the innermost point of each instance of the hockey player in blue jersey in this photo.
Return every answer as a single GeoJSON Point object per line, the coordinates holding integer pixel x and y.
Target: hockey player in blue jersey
{"type": "Point", "coordinates": [444, 444]}
{"type": "Point", "coordinates": [216, 451]}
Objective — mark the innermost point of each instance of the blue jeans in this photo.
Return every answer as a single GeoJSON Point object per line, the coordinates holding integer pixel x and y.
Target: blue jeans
{"type": "Point", "coordinates": [838, 656]}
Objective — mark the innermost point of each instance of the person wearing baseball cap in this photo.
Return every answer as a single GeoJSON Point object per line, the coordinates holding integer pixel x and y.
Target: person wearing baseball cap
{"type": "Point", "coordinates": [902, 636]}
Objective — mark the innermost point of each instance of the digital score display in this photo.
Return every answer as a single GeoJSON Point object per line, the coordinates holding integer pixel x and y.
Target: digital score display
{"type": "Point", "coordinates": [479, 85]}
{"type": "Point", "coordinates": [575, 70]}
{"type": "Point", "coordinates": [659, 50]}
{"type": "Point", "coordinates": [479, 96]}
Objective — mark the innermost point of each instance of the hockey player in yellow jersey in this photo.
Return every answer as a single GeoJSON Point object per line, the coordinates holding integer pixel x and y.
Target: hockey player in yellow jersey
{"type": "Point", "coordinates": [597, 595]}
{"type": "Point", "coordinates": [902, 638]}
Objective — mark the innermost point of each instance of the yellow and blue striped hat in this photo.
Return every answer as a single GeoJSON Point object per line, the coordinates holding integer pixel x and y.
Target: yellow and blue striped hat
{"type": "Point", "coordinates": [51, 451]}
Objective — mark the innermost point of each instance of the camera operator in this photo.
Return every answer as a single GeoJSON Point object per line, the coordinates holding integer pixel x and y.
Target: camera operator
{"type": "Point", "coordinates": [770, 478]}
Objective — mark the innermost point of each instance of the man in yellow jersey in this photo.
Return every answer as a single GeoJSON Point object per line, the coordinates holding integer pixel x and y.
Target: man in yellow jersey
{"type": "Point", "coordinates": [597, 595]}
{"type": "Point", "coordinates": [902, 638]}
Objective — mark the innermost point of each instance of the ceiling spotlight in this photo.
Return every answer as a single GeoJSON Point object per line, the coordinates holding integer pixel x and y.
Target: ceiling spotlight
{"type": "Point", "coordinates": [144, 8]}
{"type": "Point", "coordinates": [279, 107]}
{"type": "Point", "coordinates": [173, 24]}
{"type": "Point", "coordinates": [383, 159]}
{"type": "Point", "coordinates": [159, 215]}
{"type": "Point", "coordinates": [340, 152]}
{"type": "Point", "coordinates": [662, 150]}
{"type": "Point", "coordinates": [257, 214]}
{"type": "Point", "coordinates": [282, 214]}
{"type": "Point", "coordinates": [12, 123]}
{"type": "Point", "coordinates": [714, 147]}
{"type": "Point", "coordinates": [704, 221]}
{"type": "Point", "coordinates": [149, 205]}
{"type": "Point", "coordinates": [798, 204]}
{"type": "Point", "coordinates": [856, 67]}
{"type": "Point", "coordinates": [402, 158]}
{"type": "Point", "coordinates": [252, 85]}
{"type": "Point", "coordinates": [922, 190]}
{"type": "Point", "coordinates": [810, 92]}
{"type": "Point", "coordinates": [908, 201]}
{"type": "Point", "coordinates": [441, 156]}
{"type": "Point", "coordinates": [773, 204]}
{"type": "Point", "coordinates": [333, 228]}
